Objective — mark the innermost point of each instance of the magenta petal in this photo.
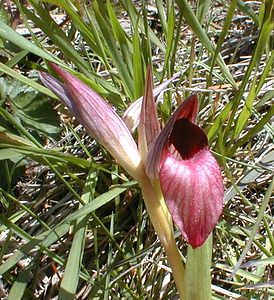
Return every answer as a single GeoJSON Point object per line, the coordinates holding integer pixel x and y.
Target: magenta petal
{"type": "Point", "coordinates": [193, 191]}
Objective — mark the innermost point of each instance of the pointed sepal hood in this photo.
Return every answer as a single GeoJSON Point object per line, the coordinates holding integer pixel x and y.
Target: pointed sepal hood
{"type": "Point", "coordinates": [131, 116]}
{"type": "Point", "coordinates": [149, 126]}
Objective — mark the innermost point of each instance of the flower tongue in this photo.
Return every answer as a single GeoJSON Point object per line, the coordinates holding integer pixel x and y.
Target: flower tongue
{"type": "Point", "coordinates": [187, 138]}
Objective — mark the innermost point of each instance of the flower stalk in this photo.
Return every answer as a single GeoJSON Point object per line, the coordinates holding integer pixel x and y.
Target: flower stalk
{"type": "Point", "coordinates": [164, 230]}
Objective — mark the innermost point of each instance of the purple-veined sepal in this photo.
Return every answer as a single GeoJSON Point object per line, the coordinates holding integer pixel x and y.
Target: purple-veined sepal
{"type": "Point", "coordinates": [99, 119]}
{"type": "Point", "coordinates": [131, 116]}
{"type": "Point", "coordinates": [149, 126]}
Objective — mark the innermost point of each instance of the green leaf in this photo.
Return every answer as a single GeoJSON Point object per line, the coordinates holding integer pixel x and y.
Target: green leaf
{"type": "Point", "coordinates": [138, 68]}
{"type": "Point", "coordinates": [261, 46]}
{"type": "Point", "coordinates": [40, 155]}
{"type": "Point", "coordinates": [10, 88]}
{"type": "Point", "coordinates": [9, 154]}
{"type": "Point", "coordinates": [4, 83]}
{"type": "Point", "coordinates": [71, 275]}
{"type": "Point", "coordinates": [202, 9]}
{"type": "Point", "coordinates": [219, 121]}
{"type": "Point", "coordinates": [134, 15]}
{"type": "Point", "coordinates": [15, 59]}
{"type": "Point", "coordinates": [33, 109]}
{"type": "Point", "coordinates": [258, 262]}
{"type": "Point", "coordinates": [110, 41]}
{"type": "Point", "coordinates": [36, 112]}
{"type": "Point", "coordinates": [19, 286]}
{"type": "Point", "coordinates": [197, 272]}
{"type": "Point", "coordinates": [162, 15]}
{"type": "Point", "coordinates": [252, 132]}
{"type": "Point", "coordinates": [72, 272]}
{"type": "Point", "coordinates": [247, 109]}
{"type": "Point", "coordinates": [251, 175]}
{"type": "Point", "coordinates": [193, 22]}
{"type": "Point", "coordinates": [43, 240]}
{"type": "Point", "coordinates": [255, 227]}
{"type": "Point", "coordinates": [245, 7]}
{"type": "Point", "coordinates": [224, 32]}
{"type": "Point", "coordinates": [170, 39]}
{"type": "Point", "coordinates": [99, 201]}
{"type": "Point", "coordinates": [55, 33]}
{"type": "Point", "coordinates": [11, 35]}
{"type": "Point", "coordinates": [122, 38]}
{"type": "Point", "coordinates": [242, 273]}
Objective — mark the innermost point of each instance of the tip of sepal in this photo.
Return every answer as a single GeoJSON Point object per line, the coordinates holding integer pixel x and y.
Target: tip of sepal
{"type": "Point", "coordinates": [131, 116]}
{"type": "Point", "coordinates": [57, 87]}
{"type": "Point", "coordinates": [149, 126]}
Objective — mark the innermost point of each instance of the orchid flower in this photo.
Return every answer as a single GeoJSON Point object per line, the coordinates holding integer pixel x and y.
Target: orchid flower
{"type": "Point", "coordinates": [178, 155]}
{"type": "Point", "coordinates": [189, 175]}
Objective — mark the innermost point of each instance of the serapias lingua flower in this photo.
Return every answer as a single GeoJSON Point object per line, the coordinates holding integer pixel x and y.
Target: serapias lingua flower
{"type": "Point", "coordinates": [189, 175]}
{"type": "Point", "coordinates": [178, 155]}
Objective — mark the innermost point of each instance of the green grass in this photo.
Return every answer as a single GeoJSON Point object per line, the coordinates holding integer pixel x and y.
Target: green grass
{"type": "Point", "coordinates": [73, 224]}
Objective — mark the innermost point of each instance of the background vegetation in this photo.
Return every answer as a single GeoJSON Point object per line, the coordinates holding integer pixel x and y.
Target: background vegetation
{"type": "Point", "coordinates": [73, 224]}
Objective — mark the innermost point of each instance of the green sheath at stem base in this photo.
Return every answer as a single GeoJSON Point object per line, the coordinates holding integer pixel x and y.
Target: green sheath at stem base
{"type": "Point", "coordinates": [197, 272]}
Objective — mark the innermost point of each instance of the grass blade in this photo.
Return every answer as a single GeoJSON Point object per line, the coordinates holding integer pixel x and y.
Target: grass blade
{"type": "Point", "coordinates": [256, 226]}
{"type": "Point", "coordinates": [118, 60]}
{"type": "Point", "coordinates": [18, 288]}
{"type": "Point", "coordinates": [9, 34]}
{"type": "Point", "coordinates": [71, 275]}
{"type": "Point", "coordinates": [193, 22]}
{"type": "Point", "coordinates": [138, 68]}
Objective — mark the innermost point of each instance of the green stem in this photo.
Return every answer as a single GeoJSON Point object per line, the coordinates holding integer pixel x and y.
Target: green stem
{"type": "Point", "coordinates": [197, 273]}
{"type": "Point", "coordinates": [164, 230]}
